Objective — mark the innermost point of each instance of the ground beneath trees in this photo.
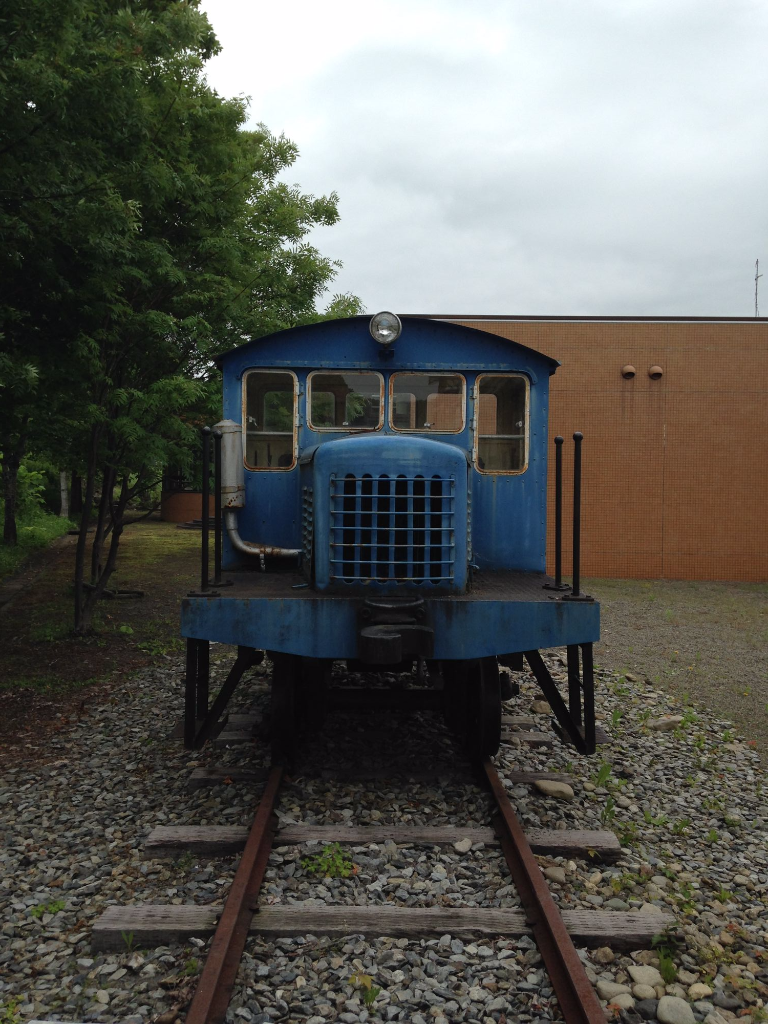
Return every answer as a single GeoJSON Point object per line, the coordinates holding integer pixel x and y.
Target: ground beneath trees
{"type": "Point", "coordinates": [49, 676]}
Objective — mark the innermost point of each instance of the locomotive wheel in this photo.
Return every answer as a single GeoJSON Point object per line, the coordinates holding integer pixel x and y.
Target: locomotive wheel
{"type": "Point", "coordinates": [455, 696]}
{"type": "Point", "coordinates": [310, 692]}
{"type": "Point", "coordinates": [283, 711]}
{"type": "Point", "coordinates": [472, 703]}
{"type": "Point", "coordinates": [483, 734]}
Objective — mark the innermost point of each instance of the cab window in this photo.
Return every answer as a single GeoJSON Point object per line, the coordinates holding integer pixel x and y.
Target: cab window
{"type": "Point", "coordinates": [345, 401]}
{"type": "Point", "coordinates": [270, 419]}
{"type": "Point", "coordinates": [432, 402]}
{"type": "Point", "coordinates": [502, 423]}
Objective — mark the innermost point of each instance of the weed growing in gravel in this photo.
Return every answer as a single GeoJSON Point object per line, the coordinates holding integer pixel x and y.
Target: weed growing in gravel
{"type": "Point", "coordinates": [680, 827]}
{"type": "Point", "coordinates": [659, 819]}
{"type": "Point", "coordinates": [48, 908]}
{"type": "Point", "coordinates": [191, 967]}
{"type": "Point", "coordinates": [368, 990]}
{"type": "Point", "coordinates": [712, 836]}
{"type": "Point", "coordinates": [602, 775]}
{"type": "Point", "coordinates": [331, 862]}
{"type": "Point", "coordinates": [608, 812]}
{"type": "Point", "coordinates": [9, 1012]}
{"type": "Point", "coordinates": [127, 938]}
{"type": "Point", "coordinates": [184, 863]}
{"type": "Point", "coordinates": [627, 834]}
{"type": "Point", "coordinates": [666, 945]}
{"type": "Point", "coordinates": [723, 895]}
{"type": "Point", "coordinates": [728, 736]}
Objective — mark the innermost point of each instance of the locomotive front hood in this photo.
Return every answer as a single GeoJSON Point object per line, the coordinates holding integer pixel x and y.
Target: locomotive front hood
{"type": "Point", "coordinates": [389, 512]}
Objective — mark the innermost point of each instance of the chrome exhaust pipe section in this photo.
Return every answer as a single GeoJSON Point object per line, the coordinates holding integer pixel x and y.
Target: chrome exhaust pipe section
{"type": "Point", "coordinates": [233, 493]}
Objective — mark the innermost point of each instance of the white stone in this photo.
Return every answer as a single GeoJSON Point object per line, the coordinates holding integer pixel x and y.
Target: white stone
{"type": "Point", "coordinates": [640, 991]}
{"type": "Point", "coordinates": [559, 790]}
{"type": "Point", "coordinates": [555, 874]}
{"type": "Point", "coordinates": [463, 846]}
{"type": "Point", "coordinates": [666, 724]}
{"type": "Point", "coordinates": [672, 1010]}
{"type": "Point", "coordinates": [699, 991]}
{"type": "Point", "coordinates": [540, 707]}
{"type": "Point", "coordinates": [623, 1000]}
{"type": "Point", "coordinates": [609, 989]}
{"type": "Point", "coordinates": [102, 996]}
{"type": "Point", "coordinates": [645, 975]}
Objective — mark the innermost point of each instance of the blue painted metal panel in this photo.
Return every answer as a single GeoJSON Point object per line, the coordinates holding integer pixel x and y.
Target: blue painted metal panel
{"type": "Point", "coordinates": [328, 628]}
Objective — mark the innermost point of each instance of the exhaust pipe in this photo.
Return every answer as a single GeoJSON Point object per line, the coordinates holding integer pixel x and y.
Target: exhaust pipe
{"type": "Point", "coordinates": [232, 495]}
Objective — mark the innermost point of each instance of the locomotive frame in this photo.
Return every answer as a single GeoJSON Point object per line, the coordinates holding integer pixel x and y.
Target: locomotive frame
{"type": "Point", "coordinates": [380, 501]}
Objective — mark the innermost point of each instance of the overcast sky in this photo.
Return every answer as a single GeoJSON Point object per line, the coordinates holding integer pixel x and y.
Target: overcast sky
{"type": "Point", "coordinates": [521, 156]}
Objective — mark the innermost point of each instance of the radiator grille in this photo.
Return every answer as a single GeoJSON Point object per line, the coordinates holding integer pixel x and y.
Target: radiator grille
{"type": "Point", "coordinates": [307, 524]}
{"type": "Point", "coordinates": [392, 528]}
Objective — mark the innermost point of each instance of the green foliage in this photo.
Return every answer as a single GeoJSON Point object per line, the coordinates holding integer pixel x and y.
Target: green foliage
{"type": "Point", "coordinates": [602, 775]}
{"type": "Point", "coordinates": [658, 819]}
{"type": "Point", "coordinates": [330, 862]}
{"type": "Point", "coordinates": [368, 990]}
{"type": "Point", "coordinates": [608, 812]}
{"type": "Point", "coordinates": [47, 908]}
{"type": "Point", "coordinates": [666, 944]}
{"type": "Point", "coordinates": [9, 1012]}
{"type": "Point", "coordinates": [144, 229]}
{"type": "Point", "coordinates": [36, 530]}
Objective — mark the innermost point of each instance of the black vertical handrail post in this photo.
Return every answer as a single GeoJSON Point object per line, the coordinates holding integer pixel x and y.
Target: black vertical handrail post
{"type": "Point", "coordinates": [588, 677]}
{"type": "Point", "coordinates": [558, 511]}
{"type": "Point", "coordinates": [558, 584]}
{"type": "Point", "coordinates": [217, 508]}
{"type": "Point", "coordinates": [578, 437]}
{"type": "Point", "coordinates": [206, 501]}
{"type": "Point", "coordinates": [574, 683]}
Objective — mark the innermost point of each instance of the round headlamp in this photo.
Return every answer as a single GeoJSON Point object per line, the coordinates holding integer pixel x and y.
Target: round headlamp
{"type": "Point", "coordinates": [385, 328]}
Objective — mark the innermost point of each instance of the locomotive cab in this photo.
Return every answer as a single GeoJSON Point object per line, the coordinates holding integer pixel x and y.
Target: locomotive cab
{"type": "Point", "coordinates": [383, 488]}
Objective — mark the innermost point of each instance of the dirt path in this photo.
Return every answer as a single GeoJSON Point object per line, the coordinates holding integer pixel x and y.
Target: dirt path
{"type": "Point", "coordinates": [707, 640]}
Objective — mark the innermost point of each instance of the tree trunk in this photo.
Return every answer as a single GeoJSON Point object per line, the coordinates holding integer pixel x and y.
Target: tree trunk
{"type": "Point", "coordinates": [12, 456]}
{"type": "Point", "coordinates": [82, 615]}
{"type": "Point", "coordinates": [107, 484]}
{"type": "Point", "coordinates": [11, 463]}
{"type": "Point", "coordinates": [64, 492]}
{"type": "Point", "coordinates": [93, 593]}
{"type": "Point", "coordinates": [76, 499]}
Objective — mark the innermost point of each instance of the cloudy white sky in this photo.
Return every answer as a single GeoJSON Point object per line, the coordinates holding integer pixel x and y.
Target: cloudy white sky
{"type": "Point", "coordinates": [522, 156]}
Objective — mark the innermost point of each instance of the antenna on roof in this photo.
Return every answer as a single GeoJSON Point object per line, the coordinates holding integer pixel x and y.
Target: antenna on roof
{"type": "Point", "coordinates": [757, 278]}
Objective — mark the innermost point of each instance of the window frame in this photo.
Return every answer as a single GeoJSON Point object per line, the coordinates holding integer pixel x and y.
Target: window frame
{"type": "Point", "coordinates": [294, 445]}
{"type": "Point", "coordinates": [476, 425]}
{"type": "Point", "coordinates": [345, 430]}
{"type": "Point", "coordinates": [426, 373]}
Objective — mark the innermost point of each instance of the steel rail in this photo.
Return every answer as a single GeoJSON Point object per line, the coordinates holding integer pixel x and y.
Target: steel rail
{"type": "Point", "coordinates": [576, 996]}
{"type": "Point", "coordinates": [214, 989]}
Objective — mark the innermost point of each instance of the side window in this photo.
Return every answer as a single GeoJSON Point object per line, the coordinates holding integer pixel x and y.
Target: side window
{"type": "Point", "coordinates": [345, 401]}
{"type": "Point", "coordinates": [270, 419]}
{"type": "Point", "coordinates": [431, 402]}
{"type": "Point", "coordinates": [502, 423]}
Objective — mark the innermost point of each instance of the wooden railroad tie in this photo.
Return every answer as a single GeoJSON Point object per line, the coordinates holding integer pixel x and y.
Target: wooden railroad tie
{"type": "Point", "coordinates": [163, 925]}
{"type": "Point", "coordinates": [226, 840]}
{"type": "Point", "coordinates": [202, 777]}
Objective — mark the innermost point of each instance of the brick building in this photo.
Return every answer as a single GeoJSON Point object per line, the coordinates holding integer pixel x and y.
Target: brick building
{"type": "Point", "coordinates": [675, 463]}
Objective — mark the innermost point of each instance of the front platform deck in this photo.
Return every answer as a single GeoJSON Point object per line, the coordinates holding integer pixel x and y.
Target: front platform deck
{"type": "Point", "coordinates": [504, 612]}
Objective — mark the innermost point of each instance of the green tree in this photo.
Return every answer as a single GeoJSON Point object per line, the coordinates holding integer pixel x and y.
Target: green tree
{"type": "Point", "coordinates": [143, 228]}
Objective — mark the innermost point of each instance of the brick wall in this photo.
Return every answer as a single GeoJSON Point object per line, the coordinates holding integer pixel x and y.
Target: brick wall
{"type": "Point", "coordinates": [675, 469]}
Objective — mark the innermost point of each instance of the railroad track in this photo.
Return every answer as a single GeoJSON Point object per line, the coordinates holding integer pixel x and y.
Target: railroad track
{"type": "Point", "coordinates": [555, 933]}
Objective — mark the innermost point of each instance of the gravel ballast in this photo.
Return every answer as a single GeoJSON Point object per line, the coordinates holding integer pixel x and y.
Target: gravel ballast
{"type": "Point", "coordinates": [681, 790]}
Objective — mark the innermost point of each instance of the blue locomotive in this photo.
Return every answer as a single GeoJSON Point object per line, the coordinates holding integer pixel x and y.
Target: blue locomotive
{"type": "Point", "coordinates": [381, 498]}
